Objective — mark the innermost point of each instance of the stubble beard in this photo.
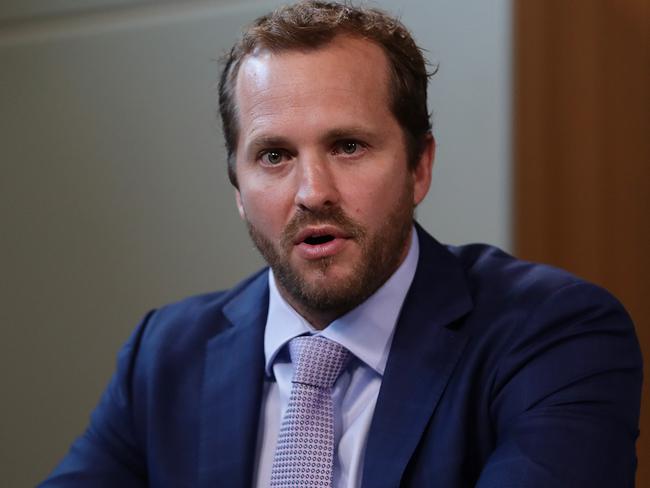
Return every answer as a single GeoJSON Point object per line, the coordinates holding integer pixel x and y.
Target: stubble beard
{"type": "Point", "coordinates": [381, 254]}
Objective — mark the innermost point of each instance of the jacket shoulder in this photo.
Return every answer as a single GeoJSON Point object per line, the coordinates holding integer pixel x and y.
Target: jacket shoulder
{"type": "Point", "coordinates": [488, 265]}
{"type": "Point", "coordinates": [184, 325]}
{"type": "Point", "coordinates": [495, 276]}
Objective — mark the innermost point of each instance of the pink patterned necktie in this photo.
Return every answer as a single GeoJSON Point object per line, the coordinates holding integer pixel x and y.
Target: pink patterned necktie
{"type": "Point", "coordinates": [304, 456]}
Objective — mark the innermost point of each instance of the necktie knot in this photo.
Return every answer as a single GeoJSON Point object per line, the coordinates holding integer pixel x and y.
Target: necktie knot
{"type": "Point", "coordinates": [317, 361]}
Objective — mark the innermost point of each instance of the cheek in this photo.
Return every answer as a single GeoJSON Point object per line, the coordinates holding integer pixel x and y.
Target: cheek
{"type": "Point", "coordinates": [374, 190]}
{"type": "Point", "coordinates": [367, 202]}
{"type": "Point", "coordinates": [264, 208]}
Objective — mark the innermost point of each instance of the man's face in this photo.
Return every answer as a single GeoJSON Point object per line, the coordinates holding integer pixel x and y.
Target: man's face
{"type": "Point", "coordinates": [324, 184]}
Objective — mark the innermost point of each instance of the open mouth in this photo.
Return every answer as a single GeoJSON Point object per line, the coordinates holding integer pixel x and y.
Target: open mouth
{"type": "Point", "coordinates": [316, 240]}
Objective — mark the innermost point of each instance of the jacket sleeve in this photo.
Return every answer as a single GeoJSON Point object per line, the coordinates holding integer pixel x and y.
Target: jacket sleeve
{"type": "Point", "coordinates": [566, 395]}
{"type": "Point", "coordinates": [107, 454]}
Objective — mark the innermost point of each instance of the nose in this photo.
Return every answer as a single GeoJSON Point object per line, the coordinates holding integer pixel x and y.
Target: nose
{"type": "Point", "coordinates": [317, 186]}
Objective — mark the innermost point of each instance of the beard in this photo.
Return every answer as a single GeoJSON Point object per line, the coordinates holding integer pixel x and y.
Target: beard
{"type": "Point", "coordinates": [381, 254]}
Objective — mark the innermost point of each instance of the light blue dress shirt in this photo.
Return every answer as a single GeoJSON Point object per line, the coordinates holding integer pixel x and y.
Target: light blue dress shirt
{"type": "Point", "coordinates": [367, 332]}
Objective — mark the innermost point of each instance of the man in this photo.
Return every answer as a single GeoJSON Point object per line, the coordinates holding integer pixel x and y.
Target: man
{"type": "Point", "coordinates": [447, 366]}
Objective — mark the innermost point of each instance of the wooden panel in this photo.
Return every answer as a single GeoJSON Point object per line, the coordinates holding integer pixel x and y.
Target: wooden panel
{"type": "Point", "coordinates": [582, 150]}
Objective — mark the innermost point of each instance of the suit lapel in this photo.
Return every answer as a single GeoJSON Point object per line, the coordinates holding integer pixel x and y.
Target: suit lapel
{"type": "Point", "coordinates": [232, 391]}
{"type": "Point", "coordinates": [424, 351]}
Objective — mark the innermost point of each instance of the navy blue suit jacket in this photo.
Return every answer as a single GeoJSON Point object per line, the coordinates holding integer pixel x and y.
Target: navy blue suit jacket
{"type": "Point", "coordinates": [501, 374]}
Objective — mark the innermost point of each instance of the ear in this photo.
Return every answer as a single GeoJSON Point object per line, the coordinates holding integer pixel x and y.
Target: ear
{"type": "Point", "coordinates": [422, 172]}
{"type": "Point", "coordinates": [240, 206]}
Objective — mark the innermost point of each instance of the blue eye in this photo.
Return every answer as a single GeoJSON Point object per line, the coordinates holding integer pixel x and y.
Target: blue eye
{"type": "Point", "coordinates": [272, 157]}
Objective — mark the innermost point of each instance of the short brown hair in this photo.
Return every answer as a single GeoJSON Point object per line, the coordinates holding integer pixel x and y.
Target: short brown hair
{"type": "Point", "coordinates": [312, 24]}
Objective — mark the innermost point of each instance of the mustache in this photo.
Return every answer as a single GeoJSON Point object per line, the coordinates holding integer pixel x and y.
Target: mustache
{"type": "Point", "coordinates": [326, 216]}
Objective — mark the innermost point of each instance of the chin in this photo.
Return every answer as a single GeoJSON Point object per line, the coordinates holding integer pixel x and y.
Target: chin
{"type": "Point", "coordinates": [325, 271]}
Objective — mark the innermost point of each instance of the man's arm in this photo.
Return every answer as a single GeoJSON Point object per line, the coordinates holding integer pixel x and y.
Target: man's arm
{"type": "Point", "coordinates": [566, 396]}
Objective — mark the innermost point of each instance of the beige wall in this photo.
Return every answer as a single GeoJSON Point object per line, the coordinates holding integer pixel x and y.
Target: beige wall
{"type": "Point", "coordinates": [113, 196]}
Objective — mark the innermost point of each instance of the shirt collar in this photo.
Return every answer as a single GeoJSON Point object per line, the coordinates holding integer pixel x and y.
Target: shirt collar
{"type": "Point", "coordinates": [366, 331]}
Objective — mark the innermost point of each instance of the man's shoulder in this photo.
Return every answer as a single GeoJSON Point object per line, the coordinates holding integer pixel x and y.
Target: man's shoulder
{"type": "Point", "coordinates": [489, 273]}
{"type": "Point", "coordinates": [490, 269]}
{"type": "Point", "coordinates": [525, 293]}
{"type": "Point", "coordinates": [192, 321]}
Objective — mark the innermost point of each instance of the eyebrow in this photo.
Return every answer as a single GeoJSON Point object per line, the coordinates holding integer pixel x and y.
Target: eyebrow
{"type": "Point", "coordinates": [350, 132]}
{"type": "Point", "coordinates": [263, 141]}
{"type": "Point", "coordinates": [267, 141]}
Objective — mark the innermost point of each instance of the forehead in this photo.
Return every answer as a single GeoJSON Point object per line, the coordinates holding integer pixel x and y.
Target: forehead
{"type": "Point", "coordinates": [347, 68]}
